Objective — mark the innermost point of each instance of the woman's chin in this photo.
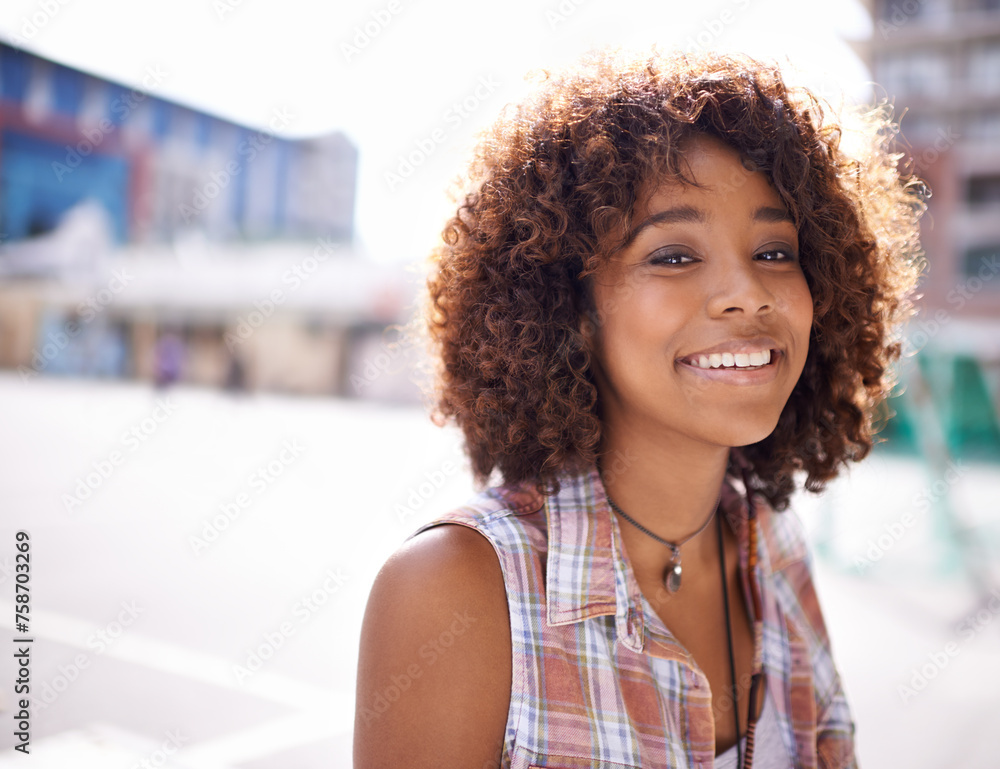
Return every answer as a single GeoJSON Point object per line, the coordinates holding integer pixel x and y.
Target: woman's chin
{"type": "Point", "coordinates": [747, 435]}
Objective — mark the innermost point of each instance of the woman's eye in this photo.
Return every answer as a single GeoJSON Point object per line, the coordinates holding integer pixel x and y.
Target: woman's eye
{"type": "Point", "coordinates": [777, 255]}
{"type": "Point", "coordinates": [671, 259]}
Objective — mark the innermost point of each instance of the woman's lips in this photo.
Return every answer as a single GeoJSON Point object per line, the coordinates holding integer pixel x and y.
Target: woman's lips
{"type": "Point", "coordinates": [751, 359]}
{"type": "Point", "coordinates": [734, 373]}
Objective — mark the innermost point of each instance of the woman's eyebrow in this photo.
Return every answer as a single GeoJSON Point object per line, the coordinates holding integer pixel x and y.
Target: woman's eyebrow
{"type": "Point", "coordinates": [690, 214]}
{"type": "Point", "coordinates": [678, 215]}
{"type": "Point", "coordinates": [772, 215]}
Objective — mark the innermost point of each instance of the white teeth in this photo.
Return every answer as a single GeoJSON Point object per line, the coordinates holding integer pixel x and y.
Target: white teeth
{"type": "Point", "coordinates": [733, 360]}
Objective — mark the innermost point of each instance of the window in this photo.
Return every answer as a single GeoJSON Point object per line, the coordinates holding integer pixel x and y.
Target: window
{"type": "Point", "coordinates": [983, 263]}
{"type": "Point", "coordinates": [984, 68]}
{"type": "Point", "coordinates": [67, 90]}
{"type": "Point", "coordinates": [984, 190]}
{"type": "Point", "coordinates": [913, 73]}
{"type": "Point", "coordinates": [900, 11]}
{"type": "Point", "coordinates": [984, 126]}
{"type": "Point", "coordinates": [161, 118]}
{"type": "Point", "coordinates": [919, 129]}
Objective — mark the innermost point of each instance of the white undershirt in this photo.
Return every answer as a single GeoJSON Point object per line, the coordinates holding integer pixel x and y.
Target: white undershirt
{"type": "Point", "coordinates": [769, 749]}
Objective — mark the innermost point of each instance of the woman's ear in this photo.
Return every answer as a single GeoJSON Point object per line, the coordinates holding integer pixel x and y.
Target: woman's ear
{"type": "Point", "coordinates": [589, 326]}
{"type": "Point", "coordinates": [588, 320]}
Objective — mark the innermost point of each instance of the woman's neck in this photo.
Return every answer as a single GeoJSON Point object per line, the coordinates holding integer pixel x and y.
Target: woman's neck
{"type": "Point", "coordinates": [669, 487]}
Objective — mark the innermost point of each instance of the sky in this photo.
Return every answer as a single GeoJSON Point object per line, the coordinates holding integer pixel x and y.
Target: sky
{"type": "Point", "coordinates": [411, 82]}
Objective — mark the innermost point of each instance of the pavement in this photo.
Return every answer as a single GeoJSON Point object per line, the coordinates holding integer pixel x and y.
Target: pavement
{"type": "Point", "coordinates": [200, 564]}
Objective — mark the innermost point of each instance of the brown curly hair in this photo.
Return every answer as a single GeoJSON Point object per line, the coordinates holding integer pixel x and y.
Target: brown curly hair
{"type": "Point", "coordinates": [550, 193]}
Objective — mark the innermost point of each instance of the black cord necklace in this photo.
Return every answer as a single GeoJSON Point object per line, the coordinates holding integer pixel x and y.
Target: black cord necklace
{"type": "Point", "coordinates": [729, 638]}
{"type": "Point", "coordinates": [672, 577]}
{"type": "Point", "coordinates": [672, 584]}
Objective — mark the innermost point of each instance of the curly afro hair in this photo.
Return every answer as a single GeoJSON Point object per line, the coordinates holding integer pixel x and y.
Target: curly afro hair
{"type": "Point", "coordinates": [549, 193]}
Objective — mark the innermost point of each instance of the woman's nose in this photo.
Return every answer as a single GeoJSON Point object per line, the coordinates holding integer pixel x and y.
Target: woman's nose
{"type": "Point", "coordinates": [741, 288]}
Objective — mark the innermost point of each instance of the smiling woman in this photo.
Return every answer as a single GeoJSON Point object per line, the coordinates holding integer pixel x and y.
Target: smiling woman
{"type": "Point", "coordinates": [667, 297]}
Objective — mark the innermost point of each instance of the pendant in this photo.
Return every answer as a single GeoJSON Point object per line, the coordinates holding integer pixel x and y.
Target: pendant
{"type": "Point", "coordinates": [672, 579]}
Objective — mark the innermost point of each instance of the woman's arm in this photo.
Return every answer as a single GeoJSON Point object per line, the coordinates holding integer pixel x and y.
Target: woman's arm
{"type": "Point", "coordinates": [434, 673]}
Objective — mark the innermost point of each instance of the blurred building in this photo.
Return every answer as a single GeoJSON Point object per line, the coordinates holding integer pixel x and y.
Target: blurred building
{"type": "Point", "coordinates": [158, 167]}
{"type": "Point", "coordinates": [142, 238]}
{"type": "Point", "coordinates": [938, 62]}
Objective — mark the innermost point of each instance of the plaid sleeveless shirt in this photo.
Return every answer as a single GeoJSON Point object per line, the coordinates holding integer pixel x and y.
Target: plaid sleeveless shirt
{"type": "Point", "coordinates": [599, 681]}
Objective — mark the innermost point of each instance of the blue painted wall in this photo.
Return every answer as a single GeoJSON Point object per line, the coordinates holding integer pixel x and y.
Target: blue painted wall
{"type": "Point", "coordinates": [38, 185]}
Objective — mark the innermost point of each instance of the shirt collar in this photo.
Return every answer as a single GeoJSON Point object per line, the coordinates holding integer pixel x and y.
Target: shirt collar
{"type": "Point", "coordinates": [584, 577]}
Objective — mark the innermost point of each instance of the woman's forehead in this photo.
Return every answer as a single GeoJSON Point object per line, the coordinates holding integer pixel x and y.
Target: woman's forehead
{"type": "Point", "coordinates": [711, 174]}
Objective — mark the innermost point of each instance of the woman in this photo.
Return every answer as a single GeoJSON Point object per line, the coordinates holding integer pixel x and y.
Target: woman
{"type": "Point", "coordinates": [668, 293]}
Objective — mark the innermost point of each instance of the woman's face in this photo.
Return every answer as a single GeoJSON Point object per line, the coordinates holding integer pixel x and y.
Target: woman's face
{"type": "Point", "coordinates": [703, 317]}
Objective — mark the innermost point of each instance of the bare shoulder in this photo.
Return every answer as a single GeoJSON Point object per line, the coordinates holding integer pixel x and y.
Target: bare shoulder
{"type": "Point", "coordinates": [434, 670]}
